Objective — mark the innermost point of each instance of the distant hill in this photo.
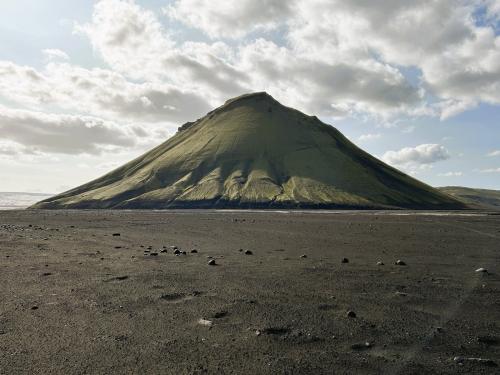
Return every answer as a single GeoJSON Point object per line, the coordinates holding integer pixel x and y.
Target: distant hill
{"type": "Point", "coordinates": [18, 200]}
{"type": "Point", "coordinates": [253, 152]}
{"type": "Point", "coordinates": [481, 198]}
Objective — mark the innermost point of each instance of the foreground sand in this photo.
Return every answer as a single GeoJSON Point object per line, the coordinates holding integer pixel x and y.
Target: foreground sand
{"type": "Point", "coordinates": [74, 299]}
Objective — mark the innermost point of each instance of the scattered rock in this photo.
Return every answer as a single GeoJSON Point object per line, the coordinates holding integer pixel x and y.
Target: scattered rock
{"type": "Point", "coordinates": [177, 252]}
{"type": "Point", "coordinates": [118, 247]}
{"type": "Point", "coordinates": [116, 234]}
{"type": "Point", "coordinates": [174, 247]}
{"type": "Point", "coordinates": [344, 260]}
{"type": "Point", "coordinates": [163, 251]}
{"type": "Point", "coordinates": [303, 256]}
{"type": "Point", "coordinates": [399, 262]}
{"type": "Point", "coordinates": [46, 274]}
{"type": "Point", "coordinates": [194, 251]}
{"type": "Point", "coordinates": [240, 250]}
{"type": "Point", "coordinates": [211, 262]}
{"type": "Point", "coordinates": [34, 307]}
{"type": "Point", "coordinates": [380, 263]}
{"type": "Point", "coordinates": [401, 294]}
{"type": "Point", "coordinates": [481, 270]}
{"type": "Point", "coordinates": [351, 314]}
{"type": "Point", "coordinates": [183, 253]}
{"type": "Point", "coordinates": [153, 254]}
{"type": "Point", "coordinates": [248, 252]}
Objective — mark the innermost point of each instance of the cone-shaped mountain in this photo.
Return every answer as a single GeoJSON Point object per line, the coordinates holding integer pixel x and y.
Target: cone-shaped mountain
{"type": "Point", "coordinates": [253, 152]}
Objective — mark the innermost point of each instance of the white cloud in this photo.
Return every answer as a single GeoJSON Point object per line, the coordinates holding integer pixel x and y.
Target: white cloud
{"type": "Point", "coordinates": [490, 170]}
{"type": "Point", "coordinates": [33, 132]}
{"type": "Point", "coordinates": [494, 153]}
{"type": "Point", "coordinates": [369, 137]}
{"type": "Point", "coordinates": [230, 19]}
{"type": "Point", "coordinates": [55, 54]}
{"type": "Point", "coordinates": [451, 174]}
{"type": "Point", "coordinates": [98, 92]}
{"type": "Point", "coordinates": [411, 157]}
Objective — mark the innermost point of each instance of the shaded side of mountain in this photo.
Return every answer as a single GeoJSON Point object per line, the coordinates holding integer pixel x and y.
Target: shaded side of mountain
{"type": "Point", "coordinates": [476, 198]}
{"type": "Point", "coordinates": [253, 152]}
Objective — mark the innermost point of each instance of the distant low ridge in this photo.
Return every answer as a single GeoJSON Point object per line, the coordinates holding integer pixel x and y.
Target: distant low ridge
{"type": "Point", "coordinates": [476, 198]}
{"type": "Point", "coordinates": [253, 152]}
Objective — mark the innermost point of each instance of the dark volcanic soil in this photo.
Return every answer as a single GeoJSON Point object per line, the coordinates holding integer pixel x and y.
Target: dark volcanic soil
{"type": "Point", "coordinates": [74, 299]}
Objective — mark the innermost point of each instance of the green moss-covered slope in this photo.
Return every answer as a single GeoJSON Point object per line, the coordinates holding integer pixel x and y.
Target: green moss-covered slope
{"type": "Point", "coordinates": [253, 152]}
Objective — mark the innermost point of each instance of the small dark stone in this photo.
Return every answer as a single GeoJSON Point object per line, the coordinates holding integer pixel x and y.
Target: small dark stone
{"type": "Point", "coordinates": [399, 262]}
{"type": "Point", "coordinates": [380, 263]}
{"type": "Point", "coordinates": [211, 262]}
{"type": "Point", "coordinates": [46, 274]}
{"type": "Point", "coordinates": [177, 251]}
{"type": "Point", "coordinates": [248, 252]}
{"type": "Point", "coordinates": [345, 260]}
{"type": "Point", "coordinates": [116, 234]}
{"type": "Point", "coordinates": [118, 247]}
{"type": "Point", "coordinates": [303, 256]}
{"type": "Point", "coordinates": [220, 314]}
{"type": "Point", "coordinates": [363, 346]}
{"type": "Point", "coordinates": [351, 314]}
{"type": "Point", "coordinates": [153, 254]}
{"type": "Point", "coordinates": [194, 251]}
{"type": "Point", "coordinates": [163, 251]}
{"type": "Point", "coordinates": [34, 307]}
{"type": "Point", "coordinates": [183, 253]}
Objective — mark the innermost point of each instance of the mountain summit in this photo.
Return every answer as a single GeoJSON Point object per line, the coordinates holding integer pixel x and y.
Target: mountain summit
{"type": "Point", "coordinates": [253, 152]}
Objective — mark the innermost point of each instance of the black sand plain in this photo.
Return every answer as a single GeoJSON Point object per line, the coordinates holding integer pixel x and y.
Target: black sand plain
{"type": "Point", "coordinates": [76, 299]}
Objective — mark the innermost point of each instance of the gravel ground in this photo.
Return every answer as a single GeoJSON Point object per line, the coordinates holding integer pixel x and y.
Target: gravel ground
{"type": "Point", "coordinates": [77, 298]}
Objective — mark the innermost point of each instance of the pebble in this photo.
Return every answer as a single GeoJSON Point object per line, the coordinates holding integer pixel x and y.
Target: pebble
{"type": "Point", "coordinates": [345, 260]}
{"type": "Point", "coordinates": [482, 270]}
{"type": "Point", "coordinates": [248, 252]}
{"type": "Point", "coordinates": [116, 234]}
{"type": "Point", "coordinates": [351, 314]}
{"type": "Point", "coordinates": [401, 294]}
{"type": "Point", "coordinates": [380, 263]}
{"type": "Point", "coordinates": [211, 262]}
{"type": "Point", "coordinates": [194, 251]}
{"type": "Point", "coordinates": [205, 322]}
{"type": "Point", "coordinates": [303, 256]}
{"type": "Point", "coordinates": [177, 252]}
{"type": "Point", "coordinates": [163, 251]}
{"type": "Point", "coordinates": [399, 262]}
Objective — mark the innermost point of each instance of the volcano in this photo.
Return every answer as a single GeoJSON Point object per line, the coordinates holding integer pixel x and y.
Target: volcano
{"type": "Point", "coordinates": [253, 152]}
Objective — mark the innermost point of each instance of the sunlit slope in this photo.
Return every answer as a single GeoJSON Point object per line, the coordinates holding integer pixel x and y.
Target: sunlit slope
{"type": "Point", "coordinates": [253, 152]}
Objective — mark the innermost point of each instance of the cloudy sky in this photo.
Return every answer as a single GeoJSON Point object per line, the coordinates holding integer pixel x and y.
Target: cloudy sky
{"type": "Point", "coordinates": [87, 85]}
